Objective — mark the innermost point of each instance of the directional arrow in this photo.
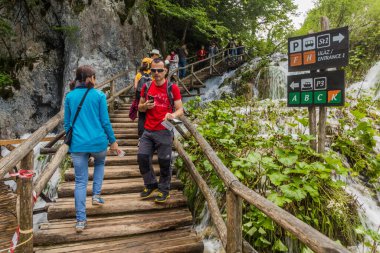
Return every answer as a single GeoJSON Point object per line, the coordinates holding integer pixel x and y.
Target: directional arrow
{"type": "Point", "coordinates": [338, 38]}
{"type": "Point", "coordinates": [294, 85]}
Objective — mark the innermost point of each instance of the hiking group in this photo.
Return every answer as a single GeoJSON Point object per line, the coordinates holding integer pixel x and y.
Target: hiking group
{"type": "Point", "coordinates": [87, 123]}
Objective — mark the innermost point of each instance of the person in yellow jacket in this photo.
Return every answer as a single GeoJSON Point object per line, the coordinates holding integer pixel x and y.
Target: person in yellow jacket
{"type": "Point", "coordinates": [143, 76]}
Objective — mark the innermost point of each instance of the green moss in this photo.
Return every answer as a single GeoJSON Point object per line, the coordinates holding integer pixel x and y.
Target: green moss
{"type": "Point", "coordinates": [78, 6]}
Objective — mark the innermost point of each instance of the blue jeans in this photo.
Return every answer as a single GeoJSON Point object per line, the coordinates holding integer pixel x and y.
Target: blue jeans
{"type": "Point", "coordinates": [182, 63]}
{"type": "Point", "coordinates": [80, 161]}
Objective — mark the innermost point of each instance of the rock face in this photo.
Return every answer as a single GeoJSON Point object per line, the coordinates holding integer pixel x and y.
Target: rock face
{"type": "Point", "coordinates": [52, 38]}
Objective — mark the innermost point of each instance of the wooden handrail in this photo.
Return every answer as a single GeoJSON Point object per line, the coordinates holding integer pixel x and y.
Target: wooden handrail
{"type": "Point", "coordinates": [112, 79]}
{"type": "Point", "coordinates": [7, 163]}
{"type": "Point", "coordinates": [212, 204]}
{"type": "Point", "coordinates": [311, 237]}
{"type": "Point", "coordinates": [44, 178]}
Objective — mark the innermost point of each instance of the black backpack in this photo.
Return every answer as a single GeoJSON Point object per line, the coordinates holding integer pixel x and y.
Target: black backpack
{"type": "Point", "coordinates": [168, 91]}
{"type": "Point", "coordinates": [145, 78]}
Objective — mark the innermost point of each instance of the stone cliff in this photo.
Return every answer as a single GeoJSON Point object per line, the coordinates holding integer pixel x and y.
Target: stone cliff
{"type": "Point", "coordinates": [50, 39]}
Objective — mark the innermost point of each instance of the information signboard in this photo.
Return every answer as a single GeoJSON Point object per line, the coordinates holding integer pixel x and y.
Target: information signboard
{"type": "Point", "coordinates": [318, 89]}
{"type": "Point", "coordinates": [321, 50]}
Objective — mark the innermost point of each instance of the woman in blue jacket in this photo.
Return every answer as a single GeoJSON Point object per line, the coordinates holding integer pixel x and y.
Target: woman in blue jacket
{"type": "Point", "coordinates": [92, 132]}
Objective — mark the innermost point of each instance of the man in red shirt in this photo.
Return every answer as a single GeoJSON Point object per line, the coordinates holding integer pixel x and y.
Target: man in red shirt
{"type": "Point", "coordinates": [156, 103]}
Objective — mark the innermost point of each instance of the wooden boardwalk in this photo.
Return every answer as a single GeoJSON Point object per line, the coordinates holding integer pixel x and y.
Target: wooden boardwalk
{"type": "Point", "coordinates": [125, 223]}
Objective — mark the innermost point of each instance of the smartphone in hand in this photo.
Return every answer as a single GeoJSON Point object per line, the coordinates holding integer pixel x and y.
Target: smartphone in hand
{"type": "Point", "coordinates": [150, 99]}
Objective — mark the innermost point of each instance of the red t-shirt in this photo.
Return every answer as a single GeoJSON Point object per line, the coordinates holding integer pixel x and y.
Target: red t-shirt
{"type": "Point", "coordinates": [162, 106]}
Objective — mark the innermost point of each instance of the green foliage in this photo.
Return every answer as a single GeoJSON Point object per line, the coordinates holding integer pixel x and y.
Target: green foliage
{"type": "Point", "coordinates": [283, 168]}
{"type": "Point", "coordinates": [222, 20]}
{"type": "Point", "coordinates": [357, 143]}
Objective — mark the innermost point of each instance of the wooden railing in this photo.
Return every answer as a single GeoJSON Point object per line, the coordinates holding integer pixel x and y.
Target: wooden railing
{"type": "Point", "coordinates": [24, 154]}
{"type": "Point", "coordinates": [231, 234]}
{"type": "Point", "coordinates": [209, 65]}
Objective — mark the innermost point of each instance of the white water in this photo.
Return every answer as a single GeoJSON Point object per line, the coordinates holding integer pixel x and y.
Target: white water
{"type": "Point", "coordinates": [372, 78]}
{"type": "Point", "coordinates": [203, 229]}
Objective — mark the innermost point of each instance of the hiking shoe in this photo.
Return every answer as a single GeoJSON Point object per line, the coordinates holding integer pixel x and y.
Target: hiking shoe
{"type": "Point", "coordinates": [97, 200]}
{"type": "Point", "coordinates": [147, 192]}
{"type": "Point", "coordinates": [80, 226]}
{"type": "Point", "coordinates": [162, 197]}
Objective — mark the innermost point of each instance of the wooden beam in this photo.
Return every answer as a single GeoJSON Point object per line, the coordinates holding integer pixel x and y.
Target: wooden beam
{"type": "Point", "coordinates": [56, 138]}
{"type": "Point", "coordinates": [234, 223]}
{"type": "Point", "coordinates": [45, 176]}
{"type": "Point", "coordinates": [325, 25]}
{"type": "Point", "coordinates": [313, 126]}
{"type": "Point", "coordinates": [24, 186]}
{"type": "Point", "coordinates": [8, 162]}
{"type": "Point", "coordinates": [18, 141]}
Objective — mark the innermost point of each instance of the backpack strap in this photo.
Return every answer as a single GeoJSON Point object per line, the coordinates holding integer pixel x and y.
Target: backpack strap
{"type": "Point", "coordinates": [170, 95]}
{"type": "Point", "coordinates": [147, 86]}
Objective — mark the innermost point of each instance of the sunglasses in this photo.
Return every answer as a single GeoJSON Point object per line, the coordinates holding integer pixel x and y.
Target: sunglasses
{"type": "Point", "coordinates": [157, 70]}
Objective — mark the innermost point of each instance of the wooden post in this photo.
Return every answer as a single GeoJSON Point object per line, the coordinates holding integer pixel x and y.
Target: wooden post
{"type": "Point", "coordinates": [322, 109]}
{"type": "Point", "coordinates": [234, 223]}
{"type": "Point", "coordinates": [191, 78]}
{"type": "Point", "coordinates": [313, 126]}
{"type": "Point", "coordinates": [112, 93]}
{"type": "Point", "coordinates": [24, 186]}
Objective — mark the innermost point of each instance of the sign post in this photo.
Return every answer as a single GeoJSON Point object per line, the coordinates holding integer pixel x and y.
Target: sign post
{"type": "Point", "coordinates": [318, 51]}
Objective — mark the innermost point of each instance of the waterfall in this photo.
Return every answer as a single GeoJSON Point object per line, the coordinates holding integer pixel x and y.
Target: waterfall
{"type": "Point", "coordinates": [371, 81]}
{"type": "Point", "coordinates": [211, 244]}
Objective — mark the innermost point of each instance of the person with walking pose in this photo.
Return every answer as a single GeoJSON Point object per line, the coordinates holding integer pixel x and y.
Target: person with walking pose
{"type": "Point", "coordinates": [161, 100]}
{"type": "Point", "coordinates": [86, 117]}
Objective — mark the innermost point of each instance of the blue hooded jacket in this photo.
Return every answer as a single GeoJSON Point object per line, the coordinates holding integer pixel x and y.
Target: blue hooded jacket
{"type": "Point", "coordinates": [92, 130]}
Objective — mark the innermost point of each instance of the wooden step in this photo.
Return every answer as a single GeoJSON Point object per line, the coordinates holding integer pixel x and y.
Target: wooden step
{"type": "Point", "coordinates": [113, 172]}
{"type": "Point", "coordinates": [125, 160]}
{"type": "Point", "coordinates": [119, 115]}
{"type": "Point", "coordinates": [114, 186]}
{"type": "Point", "coordinates": [126, 149]}
{"type": "Point", "coordinates": [122, 120]}
{"type": "Point", "coordinates": [125, 131]}
{"type": "Point", "coordinates": [115, 204]}
{"type": "Point", "coordinates": [122, 111]}
{"type": "Point", "coordinates": [62, 231]}
{"type": "Point", "coordinates": [124, 125]}
{"type": "Point", "coordinates": [127, 136]}
{"type": "Point", "coordinates": [128, 142]}
{"type": "Point", "coordinates": [179, 240]}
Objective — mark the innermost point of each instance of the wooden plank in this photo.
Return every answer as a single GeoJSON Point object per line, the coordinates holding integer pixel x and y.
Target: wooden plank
{"type": "Point", "coordinates": [124, 125]}
{"type": "Point", "coordinates": [131, 243]}
{"type": "Point", "coordinates": [125, 160]}
{"type": "Point", "coordinates": [115, 204]}
{"type": "Point", "coordinates": [115, 226]}
{"type": "Point", "coordinates": [131, 142]}
{"type": "Point", "coordinates": [18, 141]}
{"type": "Point", "coordinates": [128, 185]}
{"type": "Point", "coordinates": [113, 172]}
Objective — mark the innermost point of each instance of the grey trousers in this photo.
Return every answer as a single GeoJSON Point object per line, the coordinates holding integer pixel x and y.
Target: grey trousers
{"type": "Point", "coordinates": [162, 142]}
